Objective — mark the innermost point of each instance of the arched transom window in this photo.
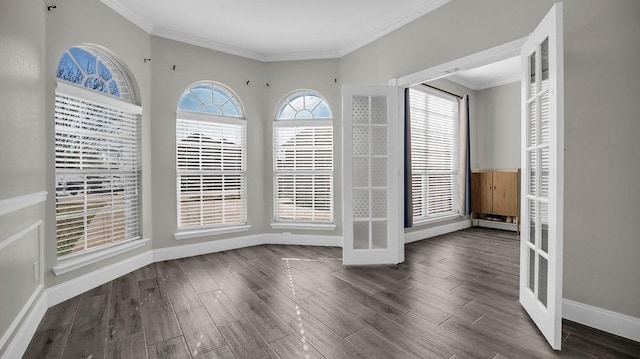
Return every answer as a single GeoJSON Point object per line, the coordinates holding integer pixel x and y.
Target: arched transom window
{"type": "Point", "coordinates": [92, 68]}
{"type": "Point", "coordinates": [303, 159]}
{"type": "Point", "coordinates": [211, 157]}
{"type": "Point", "coordinates": [96, 143]}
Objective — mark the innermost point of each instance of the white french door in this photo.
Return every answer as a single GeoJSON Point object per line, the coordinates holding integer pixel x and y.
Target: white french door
{"type": "Point", "coordinates": [542, 180]}
{"type": "Point", "coordinates": [372, 156]}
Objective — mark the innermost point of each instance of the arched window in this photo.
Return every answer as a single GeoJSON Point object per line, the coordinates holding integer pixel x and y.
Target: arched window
{"type": "Point", "coordinates": [96, 143]}
{"type": "Point", "coordinates": [211, 157]}
{"type": "Point", "coordinates": [303, 159]}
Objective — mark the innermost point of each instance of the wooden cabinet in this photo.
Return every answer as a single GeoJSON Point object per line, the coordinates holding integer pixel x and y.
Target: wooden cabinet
{"type": "Point", "coordinates": [495, 193]}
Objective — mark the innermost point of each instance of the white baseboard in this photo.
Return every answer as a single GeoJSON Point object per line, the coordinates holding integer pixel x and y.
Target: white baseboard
{"type": "Point", "coordinates": [196, 249]}
{"type": "Point", "coordinates": [611, 322]}
{"type": "Point", "coordinates": [302, 239]}
{"type": "Point", "coordinates": [495, 225]}
{"type": "Point", "coordinates": [69, 289]}
{"type": "Point", "coordinates": [436, 231]}
{"type": "Point", "coordinates": [26, 331]}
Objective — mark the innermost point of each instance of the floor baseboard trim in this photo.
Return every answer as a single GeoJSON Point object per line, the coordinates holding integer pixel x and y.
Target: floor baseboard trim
{"type": "Point", "coordinates": [18, 345]}
{"type": "Point", "coordinates": [196, 249]}
{"type": "Point", "coordinates": [69, 289]}
{"type": "Point", "coordinates": [436, 231]}
{"type": "Point", "coordinates": [608, 321]}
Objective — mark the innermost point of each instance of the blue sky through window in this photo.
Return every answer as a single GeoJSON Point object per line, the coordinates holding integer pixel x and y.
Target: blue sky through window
{"type": "Point", "coordinates": [84, 67]}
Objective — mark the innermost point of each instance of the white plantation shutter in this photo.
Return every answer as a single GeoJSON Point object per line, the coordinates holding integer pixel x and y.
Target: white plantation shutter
{"type": "Point", "coordinates": [211, 169]}
{"type": "Point", "coordinates": [97, 170]}
{"type": "Point", "coordinates": [434, 160]}
{"type": "Point", "coordinates": [303, 171]}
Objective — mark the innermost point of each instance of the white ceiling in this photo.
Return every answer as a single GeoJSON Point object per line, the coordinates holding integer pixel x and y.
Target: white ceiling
{"type": "Point", "coordinates": [274, 30]}
{"type": "Point", "coordinates": [491, 75]}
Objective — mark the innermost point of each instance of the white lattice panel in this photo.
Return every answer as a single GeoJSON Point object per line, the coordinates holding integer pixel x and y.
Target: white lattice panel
{"type": "Point", "coordinates": [360, 203]}
{"type": "Point", "coordinates": [361, 109]}
{"type": "Point", "coordinates": [360, 141]}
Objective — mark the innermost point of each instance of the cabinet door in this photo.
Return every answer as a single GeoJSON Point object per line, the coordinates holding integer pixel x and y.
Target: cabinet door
{"type": "Point", "coordinates": [481, 189]}
{"type": "Point", "coordinates": [505, 193]}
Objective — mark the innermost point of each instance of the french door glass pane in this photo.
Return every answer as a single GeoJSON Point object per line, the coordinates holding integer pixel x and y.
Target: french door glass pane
{"type": "Point", "coordinates": [544, 172]}
{"type": "Point", "coordinates": [379, 234]}
{"type": "Point", "coordinates": [532, 221]}
{"type": "Point", "coordinates": [532, 269]}
{"type": "Point", "coordinates": [544, 62]}
{"type": "Point", "coordinates": [542, 280]}
{"type": "Point", "coordinates": [379, 110]}
{"type": "Point", "coordinates": [360, 203]}
{"type": "Point", "coordinates": [532, 172]}
{"type": "Point", "coordinates": [360, 172]}
{"type": "Point", "coordinates": [361, 235]}
{"type": "Point", "coordinates": [378, 172]}
{"type": "Point", "coordinates": [544, 118]}
{"type": "Point", "coordinates": [533, 127]}
{"type": "Point", "coordinates": [532, 75]}
{"type": "Point", "coordinates": [544, 226]}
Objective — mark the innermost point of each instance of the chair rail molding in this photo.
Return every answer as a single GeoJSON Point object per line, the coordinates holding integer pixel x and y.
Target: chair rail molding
{"type": "Point", "coordinates": [17, 203]}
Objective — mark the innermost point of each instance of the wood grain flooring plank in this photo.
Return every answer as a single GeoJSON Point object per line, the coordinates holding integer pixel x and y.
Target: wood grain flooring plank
{"type": "Point", "coordinates": [245, 342]}
{"type": "Point", "coordinates": [220, 307]}
{"type": "Point", "coordinates": [87, 343]}
{"type": "Point", "coordinates": [405, 339]}
{"type": "Point", "coordinates": [125, 319]}
{"type": "Point", "coordinates": [447, 342]}
{"type": "Point", "coordinates": [48, 343]}
{"type": "Point", "coordinates": [375, 346]}
{"type": "Point", "coordinates": [153, 291]}
{"type": "Point", "coordinates": [169, 270]}
{"type": "Point", "coordinates": [220, 353]}
{"type": "Point", "coordinates": [145, 273]}
{"type": "Point", "coordinates": [200, 333]}
{"type": "Point", "coordinates": [378, 304]}
{"type": "Point", "coordinates": [127, 347]}
{"type": "Point", "coordinates": [92, 313]}
{"type": "Point", "coordinates": [266, 322]}
{"type": "Point", "coordinates": [103, 289]}
{"type": "Point", "coordinates": [182, 295]}
{"type": "Point", "coordinates": [160, 322]}
{"type": "Point", "coordinates": [174, 348]}
{"type": "Point", "coordinates": [60, 315]}
{"type": "Point", "coordinates": [326, 341]}
{"type": "Point", "coordinates": [292, 347]}
{"type": "Point", "coordinates": [124, 288]}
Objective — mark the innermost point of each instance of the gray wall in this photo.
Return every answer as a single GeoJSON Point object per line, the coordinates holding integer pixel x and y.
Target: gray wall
{"type": "Point", "coordinates": [601, 122]}
{"type": "Point", "coordinates": [22, 143]}
{"type": "Point", "coordinates": [497, 132]}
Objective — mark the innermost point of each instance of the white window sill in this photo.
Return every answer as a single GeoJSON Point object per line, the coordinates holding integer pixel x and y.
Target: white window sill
{"type": "Point", "coordinates": [71, 264]}
{"type": "Point", "coordinates": [304, 226]}
{"type": "Point", "coordinates": [437, 220]}
{"type": "Point", "coordinates": [198, 233]}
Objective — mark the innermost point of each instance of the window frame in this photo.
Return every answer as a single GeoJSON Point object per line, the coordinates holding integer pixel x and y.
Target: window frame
{"type": "Point", "coordinates": [211, 122]}
{"type": "Point", "coordinates": [91, 98]}
{"type": "Point", "coordinates": [426, 218]}
{"type": "Point", "coordinates": [325, 123]}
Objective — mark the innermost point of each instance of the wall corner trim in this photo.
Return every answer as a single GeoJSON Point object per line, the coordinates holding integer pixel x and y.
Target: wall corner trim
{"type": "Point", "coordinates": [619, 324]}
{"type": "Point", "coordinates": [17, 203]}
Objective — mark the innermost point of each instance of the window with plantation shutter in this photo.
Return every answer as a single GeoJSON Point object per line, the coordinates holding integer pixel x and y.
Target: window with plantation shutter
{"type": "Point", "coordinates": [211, 158]}
{"type": "Point", "coordinates": [303, 159]}
{"type": "Point", "coordinates": [434, 142]}
{"type": "Point", "coordinates": [97, 168]}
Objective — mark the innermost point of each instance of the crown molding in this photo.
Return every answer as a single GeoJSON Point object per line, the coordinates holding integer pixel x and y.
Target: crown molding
{"type": "Point", "coordinates": [209, 44]}
{"type": "Point", "coordinates": [172, 34]}
{"type": "Point", "coordinates": [139, 20]}
{"type": "Point", "coordinates": [392, 25]}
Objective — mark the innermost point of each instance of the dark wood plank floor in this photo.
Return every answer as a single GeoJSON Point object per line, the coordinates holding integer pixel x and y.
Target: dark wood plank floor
{"type": "Point", "coordinates": [454, 297]}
